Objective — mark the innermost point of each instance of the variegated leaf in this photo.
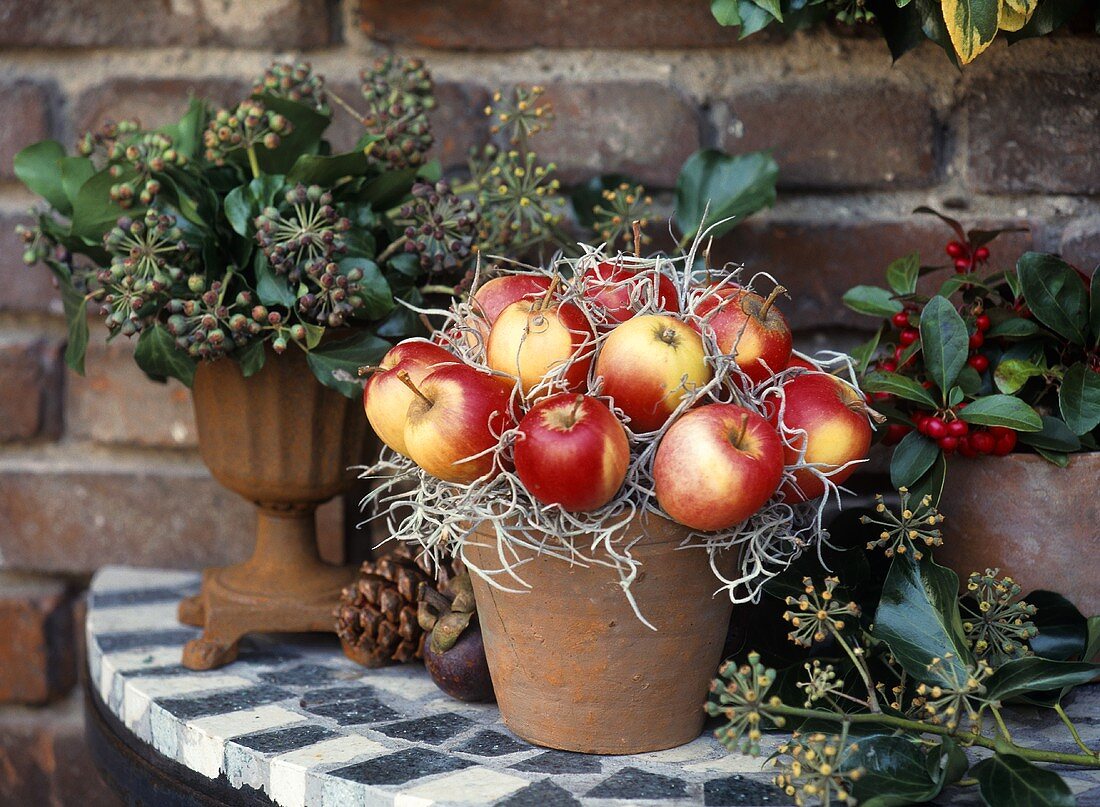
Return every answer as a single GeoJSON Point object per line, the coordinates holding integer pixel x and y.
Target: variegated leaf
{"type": "Point", "coordinates": [1011, 18]}
{"type": "Point", "coordinates": [1021, 6]}
{"type": "Point", "coordinates": [971, 24]}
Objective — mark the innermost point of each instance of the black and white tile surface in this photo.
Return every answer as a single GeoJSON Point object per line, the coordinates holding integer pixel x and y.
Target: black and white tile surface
{"type": "Point", "coordinates": [294, 719]}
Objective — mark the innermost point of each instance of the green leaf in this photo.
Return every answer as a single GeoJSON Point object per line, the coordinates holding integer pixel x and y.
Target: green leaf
{"type": "Point", "coordinates": [337, 364]}
{"type": "Point", "coordinates": [1033, 674]}
{"type": "Point", "coordinates": [310, 169]}
{"type": "Point", "coordinates": [873, 301]}
{"type": "Point", "coordinates": [245, 202]}
{"type": "Point", "coordinates": [734, 186]}
{"type": "Point", "coordinates": [1055, 294]}
{"type": "Point", "coordinates": [1010, 375]}
{"type": "Point", "coordinates": [1054, 435]}
{"type": "Point", "coordinates": [75, 171]}
{"type": "Point", "coordinates": [186, 133]}
{"type": "Point", "coordinates": [1014, 328]}
{"type": "Point", "coordinates": [309, 125]}
{"type": "Point", "coordinates": [1049, 16]}
{"type": "Point", "coordinates": [77, 345]}
{"type": "Point", "coordinates": [1092, 646]}
{"type": "Point", "coordinates": [918, 618]}
{"type": "Point", "coordinates": [960, 233]}
{"type": "Point", "coordinates": [1094, 306]}
{"type": "Point", "coordinates": [753, 18]}
{"type": "Point", "coordinates": [972, 25]}
{"type": "Point", "coordinates": [725, 12]}
{"type": "Point", "coordinates": [1009, 780]}
{"type": "Point", "coordinates": [389, 189]}
{"type": "Point", "coordinates": [863, 353]}
{"type": "Point", "coordinates": [945, 342]}
{"type": "Point", "coordinates": [901, 26]}
{"type": "Point", "coordinates": [931, 484]}
{"type": "Point", "coordinates": [1062, 628]}
{"type": "Point", "coordinates": [156, 353]}
{"type": "Point", "coordinates": [898, 771]}
{"type": "Point", "coordinates": [272, 289]}
{"type": "Point", "coordinates": [1053, 457]}
{"type": "Point", "coordinates": [375, 290]}
{"type": "Point", "coordinates": [1079, 398]}
{"type": "Point", "coordinates": [251, 357]}
{"type": "Point", "coordinates": [1002, 410]}
{"type": "Point", "coordinates": [969, 380]}
{"type": "Point", "coordinates": [772, 7]}
{"type": "Point", "coordinates": [37, 168]}
{"type": "Point", "coordinates": [902, 274]}
{"type": "Point", "coordinates": [900, 385]}
{"type": "Point", "coordinates": [912, 458]}
{"type": "Point", "coordinates": [93, 211]}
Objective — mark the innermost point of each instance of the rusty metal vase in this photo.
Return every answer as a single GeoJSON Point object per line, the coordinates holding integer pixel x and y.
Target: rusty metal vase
{"type": "Point", "coordinates": [573, 668]}
{"type": "Point", "coordinates": [285, 442]}
{"type": "Point", "coordinates": [1033, 520]}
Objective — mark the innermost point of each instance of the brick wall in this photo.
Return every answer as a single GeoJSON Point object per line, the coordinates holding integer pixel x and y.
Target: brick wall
{"type": "Point", "coordinates": [104, 469]}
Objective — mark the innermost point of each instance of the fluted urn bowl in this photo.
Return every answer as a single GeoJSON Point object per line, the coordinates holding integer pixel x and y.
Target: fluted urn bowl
{"type": "Point", "coordinates": [284, 442]}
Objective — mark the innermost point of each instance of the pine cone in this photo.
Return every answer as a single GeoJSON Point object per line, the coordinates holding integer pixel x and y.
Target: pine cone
{"type": "Point", "coordinates": [376, 619]}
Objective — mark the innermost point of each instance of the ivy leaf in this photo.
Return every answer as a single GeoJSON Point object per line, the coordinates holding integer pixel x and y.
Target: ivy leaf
{"type": "Point", "coordinates": [156, 353]}
{"type": "Point", "coordinates": [1055, 435]}
{"type": "Point", "coordinates": [725, 12]}
{"type": "Point", "coordinates": [77, 314]}
{"type": "Point", "coordinates": [252, 357]}
{"type": "Point", "coordinates": [944, 340]}
{"type": "Point", "coordinates": [902, 274]}
{"type": "Point", "coordinates": [912, 458]}
{"type": "Point", "coordinates": [75, 171]}
{"type": "Point", "coordinates": [753, 18]}
{"type": "Point", "coordinates": [971, 24]}
{"type": "Point", "coordinates": [726, 186]}
{"type": "Point", "coordinates": [918, 618]}
{"type": "Point", "coordinates": [337, 364]}
{"type": "Point", "coordinates": [93, 211]}
{"type": "Point", "coordinates": [772, 7]}
{"type": "Point", "coordinates": [305, 138]}
{"type": "Point", "coordinates": [1049, 16]}
{"type": "Point", "coordinates": [311, 169]}
{"type": "Point", "coordinates": [1009, 779]}
{"type": "Point", "coordinates": [272, 289]}
{"type": "Point", "coordinates": [896, 384]}
{"type": "Point", "coordinates": [36, 166]}
{"type": "Point", "coordinates": [1011, 19]}
{"type": "Point", "coordinates": [1011, 374]}
{"type": "Point", "coordinates": [1002, 410]}
{"type": "Point", "coordinates": [378, 299]}
{"type": "Point", "coordinates": [1033, 674]}
{"type": "Point", "coordinates": [244, 203]}
{"type": "Point", "coordinates": [873, 301]}
{"type": "Point", "coordinates": [1013, 328]}
{"type": "Point", "coordinates": [900, 23]}
{"type": "Point", "coordinates": [1055, 294]}
{"type": "Point", "coordinates": [898, 771]}
{"type": "Point", "coordinates": [1079, 398]}
{"type": "Point", "coordinates": [1062, 628]}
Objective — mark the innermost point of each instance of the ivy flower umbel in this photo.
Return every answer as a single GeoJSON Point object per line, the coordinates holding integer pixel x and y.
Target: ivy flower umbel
{"type": "Point", "coordinates": [740, 694]}
{"type": "Point", "coordinates": [206, 325]}
{"type": "Point", "coordinates": [305, 234]}
{"type": "Point", "coordinates": [818, 613]}
{"type": "Point", "coordinates": [958, 696]}
{"type": "Point", "coordinates": [519, 114]}
{"type": "Point", "coordinates": [250, 125]}
{"type": "Point", "coordinates": [817, 768]}
{"type": "Point", "coordinates": [997, 625]}
{"type": "Point", "coordinates": [97, 144]}
{"type": "Point", "coordinates": [621, 207]}
{"type": "Point", "coordinates": [821, 684]}
{"type": "Point", "coordinates": [399, 96]}
{"type": "Point", "coordinates": [440, 227]}
{"type": "Point", "coordinates": [917, 524]}
{"type": "Point", "coordinates": [518, 197]}
{"type": "Point", "coordinates": [295, 82]}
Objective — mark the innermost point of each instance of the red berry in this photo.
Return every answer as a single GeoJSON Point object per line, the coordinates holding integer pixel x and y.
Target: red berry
{"type": "Point", "coordinates": [935, 428]}
{"type": "Point", "coordinates": [909, 336]}
{"type": "Point", "coordinates": [1004, 444]}
{"type": "Point", "coordinates": [981, 254]}
{"type": "Point", "coordinates": [962, 265]}
{"type": "Point", "coordinates": [977, 339]}
{"type": "Point", "coordinates": [881, 396]}
{"type": "Point", "coordinates": [957, 428]}
{"type": "Point", "coordinates": [979, 363]}
{"type": "Point", "coordinates": [956, 250]}
{"type": "Point", "coordinates": [900, 320]}
{"type": "Point", "coordinates": [999, 431]}
{"type": "Point", "coordinates": [889, 365]}
{"type": "Point", "coordinates": [982, 322]}
{"type": "Point", "coordinates": [965, 448]}
{"type": "Point", "coordinates": [926, 384]}
{"type": "Point", "coordinates": [949, 444]}
{"type": "Point", "coordinates": [982, 442]}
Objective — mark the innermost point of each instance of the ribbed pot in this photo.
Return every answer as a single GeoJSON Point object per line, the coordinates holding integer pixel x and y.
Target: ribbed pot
{"type": "Point", "coordinates": [1033, 520]}
{"type": "Point", "coordinates": [573, 668]}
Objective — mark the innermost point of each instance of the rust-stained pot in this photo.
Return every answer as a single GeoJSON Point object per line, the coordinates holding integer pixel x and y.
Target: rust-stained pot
{"type": "Point", "coordinates": [285, 442]}
{"type": "Point", "coordinates": [1033, 520]}
{"type": "Point", "coordinates": [574, 668]}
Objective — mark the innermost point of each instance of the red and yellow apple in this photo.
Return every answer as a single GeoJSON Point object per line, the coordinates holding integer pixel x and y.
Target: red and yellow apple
{"type": "Point", "coordinates": [611, 285]}
{"type": "Point", "coordinates": [531, 341]}
{"type": "Point", "coordinates": [828, 420]}
{"type": "Point", "coordinates": [386, 398]}
{"type": "Point", "coordinates": [494, 295]}
{"type": "Point", "coordinates": [716, 466]}
{"type": "Point", "coordinates": [572, 451]}
{"type": "Point", "coordinates": [713, 296]}
{"type": "Point", "coordinates": [456, 412]}
{"type": "Point", "coordinates": [754, 331]}
{"type": "Point", "coordinates": [648, 364]}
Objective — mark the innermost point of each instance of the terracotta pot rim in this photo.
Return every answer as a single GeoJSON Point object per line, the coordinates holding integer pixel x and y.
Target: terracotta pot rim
{"type": "Point", "coordinates": [1090, 458]}
{"type": "Point", "coordinates": [657, 530]}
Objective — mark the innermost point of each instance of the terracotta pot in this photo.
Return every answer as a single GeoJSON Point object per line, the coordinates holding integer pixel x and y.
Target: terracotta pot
{"type": "Point", "coordinates": [572, 666]}
{"type": "Point", "coordinates": [285, 442]}
{"type": "Point", "coordinates": [1032, 520]}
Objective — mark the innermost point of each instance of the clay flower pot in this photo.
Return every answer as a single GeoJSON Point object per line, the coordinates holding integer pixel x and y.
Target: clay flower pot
{"type": "Point", "coordinates": [1035, 521]}
{"type": "Point", "coordinates": [572, 666]}
{"type": "Point", "coordinates": [285, 442]}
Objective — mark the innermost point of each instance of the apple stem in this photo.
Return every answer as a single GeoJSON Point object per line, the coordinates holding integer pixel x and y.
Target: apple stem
{"type": "Point", "coordinates": [408, 382]}
{"type": "Point", "coordinates": [744, 428]}
{"type": "Point", "coordinates": [368, 369]}
{"type": "Point", "coordinates": [637, 226]}
{"type": "Point", "coordinates": [544, 303]}
{"type": "Point", "coordinates": [770, 300]}
{"type": "Point", "coordinates": [576, 407]}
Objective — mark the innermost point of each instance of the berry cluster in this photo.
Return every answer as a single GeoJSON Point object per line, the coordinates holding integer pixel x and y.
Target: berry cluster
{"type": "Point", "coordinates": [953, 434]}
{"type": "Point", "coordinates": [966, 259]}
{"type": "Point", "coordinates": [295, 82]}
{"type": "Point", "coordinates": [614, 217]}
{"type": "Point", "coordinates": [249, 125]}
{"type": "Point", "coordinates": [206, 326]}
{"type": "Point", "coordinates": [520, 199]}
{"type": "Point", "coordinates": [303, 236]}
{"type": "Point", "coordinates": [439, 226]}
{"type": "Point", "coordinates": [519, 114]}
{"type": "Point", "coordinates": [399, 96]}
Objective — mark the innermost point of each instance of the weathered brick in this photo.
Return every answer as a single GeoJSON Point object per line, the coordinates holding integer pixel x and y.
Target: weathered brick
{"type": "Point", "coordinates": [640, 129]}
{"type": "Point", "coordinates": [22, 288]}
{"type": "Point", "coordinates": [819, 260]}
{"type": "Point", "coordinates": [238, 23]}
{"type": "Point", "coordinates": [116, 403]}
{"type": "Point", "coordinates": [74, 508]}
{"type": "Point", "coordinates": [44, 759]}
{"type": "Point", "coordinates": [30, 374]}
{"type": "Point", "coordinates": [1081, 243]}
{"type": "Point", "coordinates": [36, 639]}
{"type": "Point", "coordinates": [1034, 132]}
{"type": "Point", "coordinates": [458, 120]}
{"type": "Point", "coordinates": [26, 120]}
{"type": "Point", "coordinates": [836, 135]}
{"type": "Point", "coordinates": [518, 24]}
{"type": "Point", "coordinates": [154, 102]}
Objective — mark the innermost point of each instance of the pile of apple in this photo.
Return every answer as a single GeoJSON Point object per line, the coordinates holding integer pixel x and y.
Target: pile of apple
{"type": "Point", "coordinates": [572, 374]}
